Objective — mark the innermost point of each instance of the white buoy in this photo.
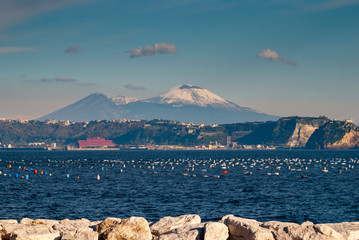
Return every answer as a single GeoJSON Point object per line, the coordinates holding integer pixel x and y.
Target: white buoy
{"type": "Point", "coordinates": [98, 177]}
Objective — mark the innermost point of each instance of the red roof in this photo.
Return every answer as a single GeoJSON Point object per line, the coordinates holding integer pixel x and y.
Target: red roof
{"type": "Point", "coordinates": [96, 142]}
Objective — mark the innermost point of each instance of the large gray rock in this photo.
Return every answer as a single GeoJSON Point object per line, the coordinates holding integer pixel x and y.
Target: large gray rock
{"type": "Point", "coordinates": [167, 224]}
{"type": "Point", "coordinates": [133, 228]}
{"type": "Point", "coordinates": [349, 230]}
{"type": "Point", "coordinates": [241, 228]}
{"type": "Point", "coordinates": [215, 231]}
{"type": "Point", "coordinates": [188, 232]}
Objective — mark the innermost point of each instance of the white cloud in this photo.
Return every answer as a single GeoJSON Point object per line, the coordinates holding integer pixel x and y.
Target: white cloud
{"type": "Point", "coordinates": [272, 55]}
{"type": "Point", "coordinates": [14, 49]}
{"type": "Point", "coordinates": [134, 87]}
{"type": "Point", "coordinates": [161, 48]}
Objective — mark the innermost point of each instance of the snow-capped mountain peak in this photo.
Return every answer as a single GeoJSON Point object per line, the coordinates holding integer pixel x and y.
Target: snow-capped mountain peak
{"type": "Point", "coordinates": [121, 100]}
{"type": "Point", "coordinates": [191, 95]}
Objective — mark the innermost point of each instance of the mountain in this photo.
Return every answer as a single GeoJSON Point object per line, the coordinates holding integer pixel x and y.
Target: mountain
{"type": "Point", "coordinates": [96, 106]}
{"type": "Point", "coordinates": [121, 100]}
{"type": "Point", "coordinates": [186, 103]}
{"type": "Point", "coordinates": [189, 103]}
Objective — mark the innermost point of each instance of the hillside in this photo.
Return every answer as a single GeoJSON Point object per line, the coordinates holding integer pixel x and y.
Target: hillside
{"type": "Point", "coordinates": [286, 132]}
{"type": "Point", "coordinates": [289, 132]}
{"type": "Point", "coordinates": [335, 135]}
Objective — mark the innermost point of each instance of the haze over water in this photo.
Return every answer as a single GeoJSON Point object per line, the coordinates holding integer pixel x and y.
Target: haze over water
{"type": "Point", "coordinates": [156, 190]}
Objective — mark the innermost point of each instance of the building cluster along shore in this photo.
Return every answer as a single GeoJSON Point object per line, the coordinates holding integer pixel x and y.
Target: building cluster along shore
{"type": "Point", "coordinates": [185, 227]}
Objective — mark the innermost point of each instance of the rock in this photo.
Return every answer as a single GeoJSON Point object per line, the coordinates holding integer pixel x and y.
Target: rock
{"type": "Point", "coordinates": [80, 234]}
{"type": "Point", "coordinates": [305, 231]}
{"type": "Point", "coordinates": [106, 224]}
{"type": "Point", "coordinates": [167, 224]}
{"type": "Point", "coordinates": [328, 231]}
{"type": "Point", "coordinates": [34, 232]}
{"type": "Point", "coordinates": [133, 228]}
{"type": "Point", "coordinates": [8, 221]}
{"type": "Point", "coordinates": [279, 229]}
{"type": "Point", "coordinates": [28, 221]}
{"type": "Point", "coordinates": [187, 232]}
{"type": "Point", "coordinates": [77, 229]}
{"type": "Point", "coordinates": [349, 230]}
{"type": "Point", "coordinates": [241, 228]}
{"type": "Point", "coordinates": [215, 231]}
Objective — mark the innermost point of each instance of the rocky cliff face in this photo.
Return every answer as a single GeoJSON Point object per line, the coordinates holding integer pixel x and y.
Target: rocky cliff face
{"type": "Point", "coordinates": [335, 135]}
{"type": "Point", "coordinates": [286, 132]}
{"type": "Point", "coordinates": [349, 140]}
{"type": "Point", "coordinates": [301, 135]}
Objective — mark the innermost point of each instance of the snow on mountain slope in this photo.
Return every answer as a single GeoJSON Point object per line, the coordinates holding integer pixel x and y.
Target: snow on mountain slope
{"type": "Point", "coordinates": [191, 95]}
{"type": "Point", "coordinates": [121, 100]}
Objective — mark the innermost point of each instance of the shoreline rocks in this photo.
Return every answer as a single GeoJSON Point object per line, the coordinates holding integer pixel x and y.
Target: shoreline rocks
{"type": "Point", "coordinates": [185, 227]}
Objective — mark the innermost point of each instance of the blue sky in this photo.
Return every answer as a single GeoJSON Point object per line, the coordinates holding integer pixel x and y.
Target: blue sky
{"type": "Point", "coordinates": [279, 57]}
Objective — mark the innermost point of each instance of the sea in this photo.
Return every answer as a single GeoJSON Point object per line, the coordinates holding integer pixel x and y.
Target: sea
{"type": "Point", "coordinates": [320, 186]}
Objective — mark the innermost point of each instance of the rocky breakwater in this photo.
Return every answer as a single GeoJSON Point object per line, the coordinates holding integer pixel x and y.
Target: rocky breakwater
{"type": "Point", "coordinates": [185, 227]}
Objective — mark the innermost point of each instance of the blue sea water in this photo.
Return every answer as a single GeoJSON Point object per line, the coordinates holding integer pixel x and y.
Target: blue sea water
{"type": "Point", "coordinates": [151, 184]}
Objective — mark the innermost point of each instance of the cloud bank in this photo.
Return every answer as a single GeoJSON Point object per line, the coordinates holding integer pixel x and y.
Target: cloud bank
{"type": "Point", "coordinates": [273, 56]}
{"type": "Point", "coordinates": [73, 49]}
{"type": "Point", "coordinates": [16, 11]}
{"type": "Point", "coordinates": [315, 6]}
{"type": "Point", "coordinates": [14, 49]}
{"type": "Point", "coordinates": [134, 87]}
{"type": "Point", "coordinates": [62, 79]}
{"type": "Point", "coordinates": [161, 48]}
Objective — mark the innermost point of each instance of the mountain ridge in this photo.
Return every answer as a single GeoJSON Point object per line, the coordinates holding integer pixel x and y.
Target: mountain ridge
{"type": "Point", "coordinates": [186, 103]}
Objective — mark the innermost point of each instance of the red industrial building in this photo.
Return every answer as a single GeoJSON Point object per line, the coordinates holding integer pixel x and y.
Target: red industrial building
{"type": "Point", "coordinates": [95, 142]}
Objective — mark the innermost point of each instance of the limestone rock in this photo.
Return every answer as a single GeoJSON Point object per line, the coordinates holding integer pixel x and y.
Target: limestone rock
{"type": "Point", "coordinates": [328, 231]}
{"type": "Point", "coordinates": [349, 230]}
{"type": "Point", "coordinates": [133, 228]}
{"type": "Point", "coordinates": [241, 228]}
{"type": "Point", "coordinates": [279, 229]}
{"type": "Point", "coordinates": [77, 229]}
{"type": "Point", "coordinates": [167, 224]}
{"type": "Point", "coordinates": [187, 232]}
{"type": "Point", "coordinates": [215, 231]}
{"type": "Point", "coordinates": [34, 232]}
{"type": "Point", "coordinates": [305, 231]}
{"type": "Point", "coordinates": [106, 225]}
{"type": "Point", "coordinates": [80, 234]}
{"type": "Point", "coordinates": [28, 221]}
{"type": "Point", "coordinates": [8, 221]}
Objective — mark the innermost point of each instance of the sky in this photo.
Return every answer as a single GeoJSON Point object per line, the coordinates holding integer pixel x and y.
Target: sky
{"type": "Point", "coordinates": [281, 57]}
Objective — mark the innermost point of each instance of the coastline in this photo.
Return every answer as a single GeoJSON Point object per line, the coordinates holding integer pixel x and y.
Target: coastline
{"type": "Point", "coordinates": [186, 227]}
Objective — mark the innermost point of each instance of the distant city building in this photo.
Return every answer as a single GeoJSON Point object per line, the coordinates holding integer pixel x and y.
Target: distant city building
{"type": "Point", "coordinates": [95, 142]}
